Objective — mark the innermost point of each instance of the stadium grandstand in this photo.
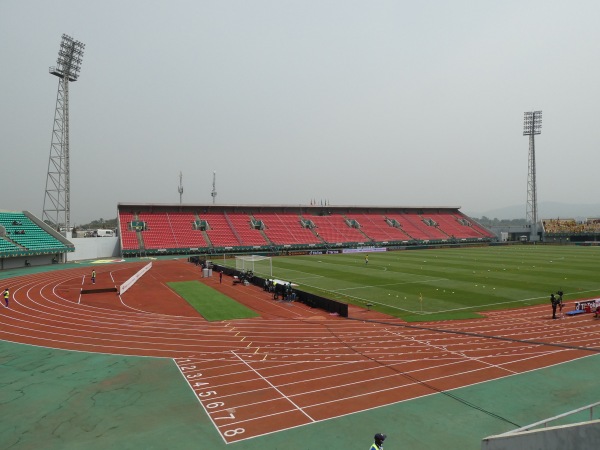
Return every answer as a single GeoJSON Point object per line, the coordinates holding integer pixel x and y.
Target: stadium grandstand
{"type": "Point", "coordinates": [587, 230]}
{"type": "Point", "coordinates": [24, 237]}
{"type": "Point", "coordinates": [147, 229]}
{"type": "Point", "coordinates": [150, 229]}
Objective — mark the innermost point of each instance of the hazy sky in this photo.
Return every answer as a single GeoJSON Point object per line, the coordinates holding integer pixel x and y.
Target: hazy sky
{"type": "Point", "coordinates": [356, 102]}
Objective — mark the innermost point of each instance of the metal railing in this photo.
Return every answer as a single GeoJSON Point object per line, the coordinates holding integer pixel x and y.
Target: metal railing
{"type": "Point", "coordinates": [544, 423]}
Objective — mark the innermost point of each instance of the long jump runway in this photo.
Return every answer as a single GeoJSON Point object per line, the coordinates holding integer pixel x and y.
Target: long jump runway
{"type": "Point", "coordinates": [293, 366]}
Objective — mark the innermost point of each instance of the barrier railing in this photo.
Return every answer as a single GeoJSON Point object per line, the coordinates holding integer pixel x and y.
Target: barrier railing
{"type": "Point", "coordinates": [544, 423]}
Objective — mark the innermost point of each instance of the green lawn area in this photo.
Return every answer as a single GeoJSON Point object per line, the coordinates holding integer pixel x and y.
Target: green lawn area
{"type": "Point", "coordinates": [212, 305]}
{"type": "Point", "coordinates": [451, 283]}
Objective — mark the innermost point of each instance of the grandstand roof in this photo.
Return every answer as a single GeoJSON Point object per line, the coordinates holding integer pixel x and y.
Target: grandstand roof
{"type": "Point", "coordinates": [306, 206]}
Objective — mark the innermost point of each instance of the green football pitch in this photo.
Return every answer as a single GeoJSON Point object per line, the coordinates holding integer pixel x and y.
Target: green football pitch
{"type": "Point", "coordinates": [447, 283]}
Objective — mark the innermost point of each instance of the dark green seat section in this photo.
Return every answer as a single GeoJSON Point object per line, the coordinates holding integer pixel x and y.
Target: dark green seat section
{"type": "Point", "coordinates": [6, 246]}
{"type": "Point", "coordinates": [34, 237]}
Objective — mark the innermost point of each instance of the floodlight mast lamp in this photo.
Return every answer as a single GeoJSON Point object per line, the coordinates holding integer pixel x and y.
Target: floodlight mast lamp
{"type": "Point", "coordinates": [57, 199]}
{"type": "Point", "coordinates": [532, 125]}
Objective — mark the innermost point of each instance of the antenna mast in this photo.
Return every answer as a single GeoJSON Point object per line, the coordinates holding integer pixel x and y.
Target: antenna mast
{"type": "Point", "coordinates": [180, 189]}
{"type": "Point", "coordinates": [213, 194]}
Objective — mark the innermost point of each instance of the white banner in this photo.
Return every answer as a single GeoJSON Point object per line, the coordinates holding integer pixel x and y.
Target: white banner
{"type": "Point", "coordinates": [134, 278]}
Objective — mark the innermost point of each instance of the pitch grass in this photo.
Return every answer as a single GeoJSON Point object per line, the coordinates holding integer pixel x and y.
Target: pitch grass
{"type": "Point", "coordinates": [212, 305]}
{"type": "Point", "coordinates": [441, 284]}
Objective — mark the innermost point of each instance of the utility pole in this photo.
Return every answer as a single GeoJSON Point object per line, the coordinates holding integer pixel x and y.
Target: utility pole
{"type": "Point", "coordinates": [180, 189]}
{"type": "Point", "coordinates": [213, 194]}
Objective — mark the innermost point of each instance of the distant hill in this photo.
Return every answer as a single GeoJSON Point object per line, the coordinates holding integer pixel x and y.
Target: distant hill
{"type": "Point", "coordinates": [546, 210]}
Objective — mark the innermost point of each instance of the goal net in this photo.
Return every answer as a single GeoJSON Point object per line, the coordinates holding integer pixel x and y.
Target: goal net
{"type": "Point", "coordinates": [259, 265]}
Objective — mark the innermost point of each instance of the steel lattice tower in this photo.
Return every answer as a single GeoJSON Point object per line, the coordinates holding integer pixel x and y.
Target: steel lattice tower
{"type": "Point", "coordinates": [532, 125]}
{"type": "Point", "coordinates": [57, 201]}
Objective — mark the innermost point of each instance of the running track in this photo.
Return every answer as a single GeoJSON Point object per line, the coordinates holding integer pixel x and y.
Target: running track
{"type": "Point", "coordinates": [293, 366]}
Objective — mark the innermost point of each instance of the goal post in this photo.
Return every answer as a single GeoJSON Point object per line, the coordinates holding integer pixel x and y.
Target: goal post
{"type": "Point", "coordinates": [259, 265]}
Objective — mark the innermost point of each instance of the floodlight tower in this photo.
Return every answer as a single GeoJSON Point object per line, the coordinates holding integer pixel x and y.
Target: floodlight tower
{"type": "Point", "coordinates": [180, 189]}
{"type": "Point", "coordinates": [213, 194]}
{"type": "Point", "coordinates": [57, 200]}
{"type": "Point", "coordinates": [532, 125]}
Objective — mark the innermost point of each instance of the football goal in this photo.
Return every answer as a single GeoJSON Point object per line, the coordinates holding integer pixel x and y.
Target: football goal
{"type": "Point", "coordinates": [259, 265]}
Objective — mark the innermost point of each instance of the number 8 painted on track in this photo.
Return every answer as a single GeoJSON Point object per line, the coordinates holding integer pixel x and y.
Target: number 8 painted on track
{"type": "Point", "coordinates": [230, 433]}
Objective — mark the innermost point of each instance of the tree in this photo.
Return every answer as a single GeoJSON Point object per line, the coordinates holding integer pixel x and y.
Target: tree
{"type": "Point", "coordinates": [100, 223]}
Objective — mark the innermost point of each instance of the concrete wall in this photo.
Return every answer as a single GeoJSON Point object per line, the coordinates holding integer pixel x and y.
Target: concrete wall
{"type": "Point", "coordinates": [581, 436]}
{"type": "Point", "coordinates": [85, 248]}
{"type": "Point", "coordinates": [94, 248]}
{"type": "Point", "coordinates": [19, 261]}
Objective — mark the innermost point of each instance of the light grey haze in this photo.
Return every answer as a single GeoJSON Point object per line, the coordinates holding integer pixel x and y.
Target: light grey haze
{"type": "Point", "coordinates": [353, 102]}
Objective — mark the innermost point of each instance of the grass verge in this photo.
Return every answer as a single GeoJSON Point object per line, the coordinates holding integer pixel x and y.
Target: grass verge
{"type": "Point", "coordinates": [212, 305]}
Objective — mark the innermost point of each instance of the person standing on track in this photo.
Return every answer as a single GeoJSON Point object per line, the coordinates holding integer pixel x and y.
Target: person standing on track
{"type": "Point", "coordinates": [554, 303]}
{"type": "Point", "coordinates": [378, 444]}
{"type": "Point", "coordinates": [93, 276]}
{"type": "Point", "coordinates": [560, 303]}
{"type": "Point", "coordinates": [6, 296]}
{"type": "Point", "coordinates": [221, 276]}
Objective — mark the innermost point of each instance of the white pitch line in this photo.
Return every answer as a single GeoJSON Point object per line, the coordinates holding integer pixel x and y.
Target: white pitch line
{"type": "Point", "coordinates": [312, 275]}
{"type": "Point", "coordinates": [390, 284]}
{"type": "Point", "coordinates": [274, 387]}
{"type": "Point", "coordinates": [308, 278]}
